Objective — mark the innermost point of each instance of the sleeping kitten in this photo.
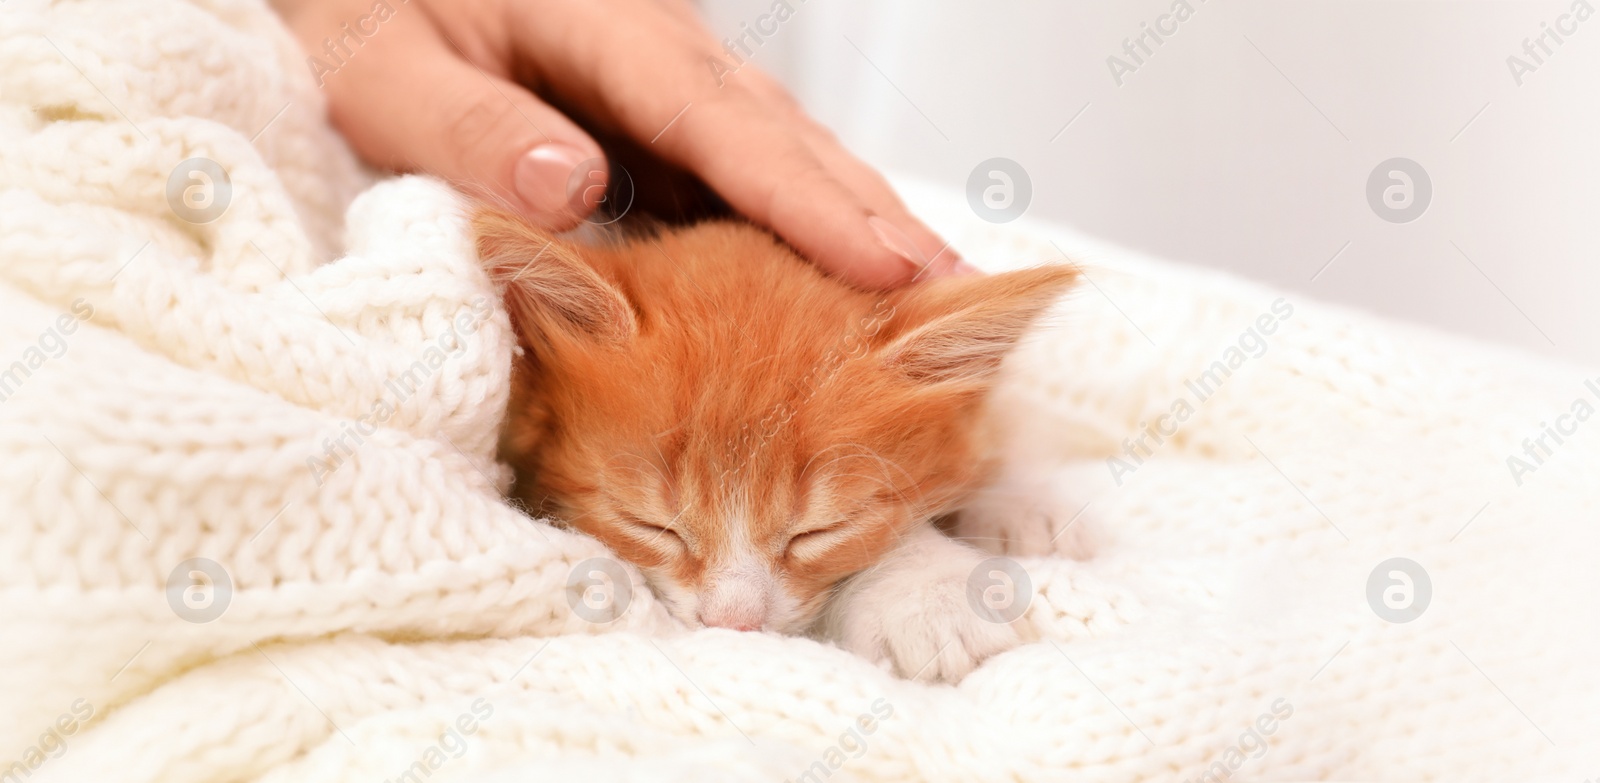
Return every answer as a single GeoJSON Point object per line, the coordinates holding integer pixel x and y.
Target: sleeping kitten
{"type": "Point", "coordinates": [768, 445]}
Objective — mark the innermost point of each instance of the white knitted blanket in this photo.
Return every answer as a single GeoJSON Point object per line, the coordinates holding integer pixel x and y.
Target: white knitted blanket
{"type": "Point", "coordinates": [193, 374]}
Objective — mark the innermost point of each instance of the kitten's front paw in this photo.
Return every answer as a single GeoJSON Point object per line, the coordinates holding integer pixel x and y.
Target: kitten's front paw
{"type": "Point", "coordinates": [923, 623]}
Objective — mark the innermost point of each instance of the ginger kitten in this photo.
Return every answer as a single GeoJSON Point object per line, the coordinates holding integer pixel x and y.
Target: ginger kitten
{"type": "Point", "coordinates": [767, 444]}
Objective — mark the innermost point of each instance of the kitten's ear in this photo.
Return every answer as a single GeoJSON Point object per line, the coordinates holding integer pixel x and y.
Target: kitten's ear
{"type": "Point", "coordinates": [548, 285]}
{"type": "Point", "coordinates": [958, 329]}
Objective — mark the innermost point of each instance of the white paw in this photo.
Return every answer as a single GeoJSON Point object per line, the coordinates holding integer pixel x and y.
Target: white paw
{"type": "Point", "coordinates": [1027, 514]}
{"type": "Point", "coordinates": [935, 635]}
{"type": "Point", "coordinates": [916, 615]}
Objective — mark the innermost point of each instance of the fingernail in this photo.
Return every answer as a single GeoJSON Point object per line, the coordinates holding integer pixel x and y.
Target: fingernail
{"type": "Point", "coordinates": [896, 241]}
{"type": "Point", "coordinates": [542, 175]}
{"type": "Point", "coordinates": [962, 268]}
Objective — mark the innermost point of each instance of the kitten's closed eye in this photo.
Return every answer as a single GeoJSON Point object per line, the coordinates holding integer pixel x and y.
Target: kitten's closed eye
{"type": "Point", "coordinates": [655, 535]}
{"type": "Point", "coordinates": [814, 542]}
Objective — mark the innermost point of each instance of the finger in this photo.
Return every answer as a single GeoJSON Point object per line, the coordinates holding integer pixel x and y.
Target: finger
{"type": "Point", "coordinates": [866, 182]}
{"type": "Point", "coordinates": [880, 197]}
{"type": "Point", "coordinates": [664, 93]}
{"type": "Point", "coordinates": [762, 167]}
{"type": "Point", "coordinates": [409, 100]}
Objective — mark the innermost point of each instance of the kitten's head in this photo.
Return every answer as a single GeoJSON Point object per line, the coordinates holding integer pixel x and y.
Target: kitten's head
{"type": "Point", "coordinates": [745, 430]}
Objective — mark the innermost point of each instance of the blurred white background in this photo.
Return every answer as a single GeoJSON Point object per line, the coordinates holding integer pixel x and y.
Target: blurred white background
{"type": "Point", "coordinates": [1245, 139]}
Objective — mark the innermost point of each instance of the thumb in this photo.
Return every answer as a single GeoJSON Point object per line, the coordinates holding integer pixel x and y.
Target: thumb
{"type": "Point", "coordinates": [407, 99]}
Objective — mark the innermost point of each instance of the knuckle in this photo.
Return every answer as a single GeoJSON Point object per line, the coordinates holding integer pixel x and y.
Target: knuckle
{"type": "Point", "coordinates": [476, 121]}
{"type": "Point", "coordinates": [801, 182]}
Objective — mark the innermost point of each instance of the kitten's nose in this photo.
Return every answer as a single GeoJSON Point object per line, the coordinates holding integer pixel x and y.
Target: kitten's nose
{"type": "Point", "coordinates": [735, 596]}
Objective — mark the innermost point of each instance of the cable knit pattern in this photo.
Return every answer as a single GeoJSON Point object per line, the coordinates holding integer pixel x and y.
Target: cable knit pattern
{"type": "Point", "coordinates": [246, 391]}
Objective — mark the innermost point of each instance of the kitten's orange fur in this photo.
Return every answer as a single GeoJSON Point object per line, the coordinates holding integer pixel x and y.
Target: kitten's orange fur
{"type": "Point", "coordinates": [746, 430]}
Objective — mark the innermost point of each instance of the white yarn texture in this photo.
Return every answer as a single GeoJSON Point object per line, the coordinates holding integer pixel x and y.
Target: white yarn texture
{"type": "Point", "coordinates": [374, 605]}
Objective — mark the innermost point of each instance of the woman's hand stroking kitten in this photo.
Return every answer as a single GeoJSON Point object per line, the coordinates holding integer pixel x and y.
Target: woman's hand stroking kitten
{"type": "Point", "coordinates": [768, 445]}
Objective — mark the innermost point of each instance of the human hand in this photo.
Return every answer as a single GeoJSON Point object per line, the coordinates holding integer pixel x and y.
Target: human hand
{"type": "Point", "coordinates": [496, 96]}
